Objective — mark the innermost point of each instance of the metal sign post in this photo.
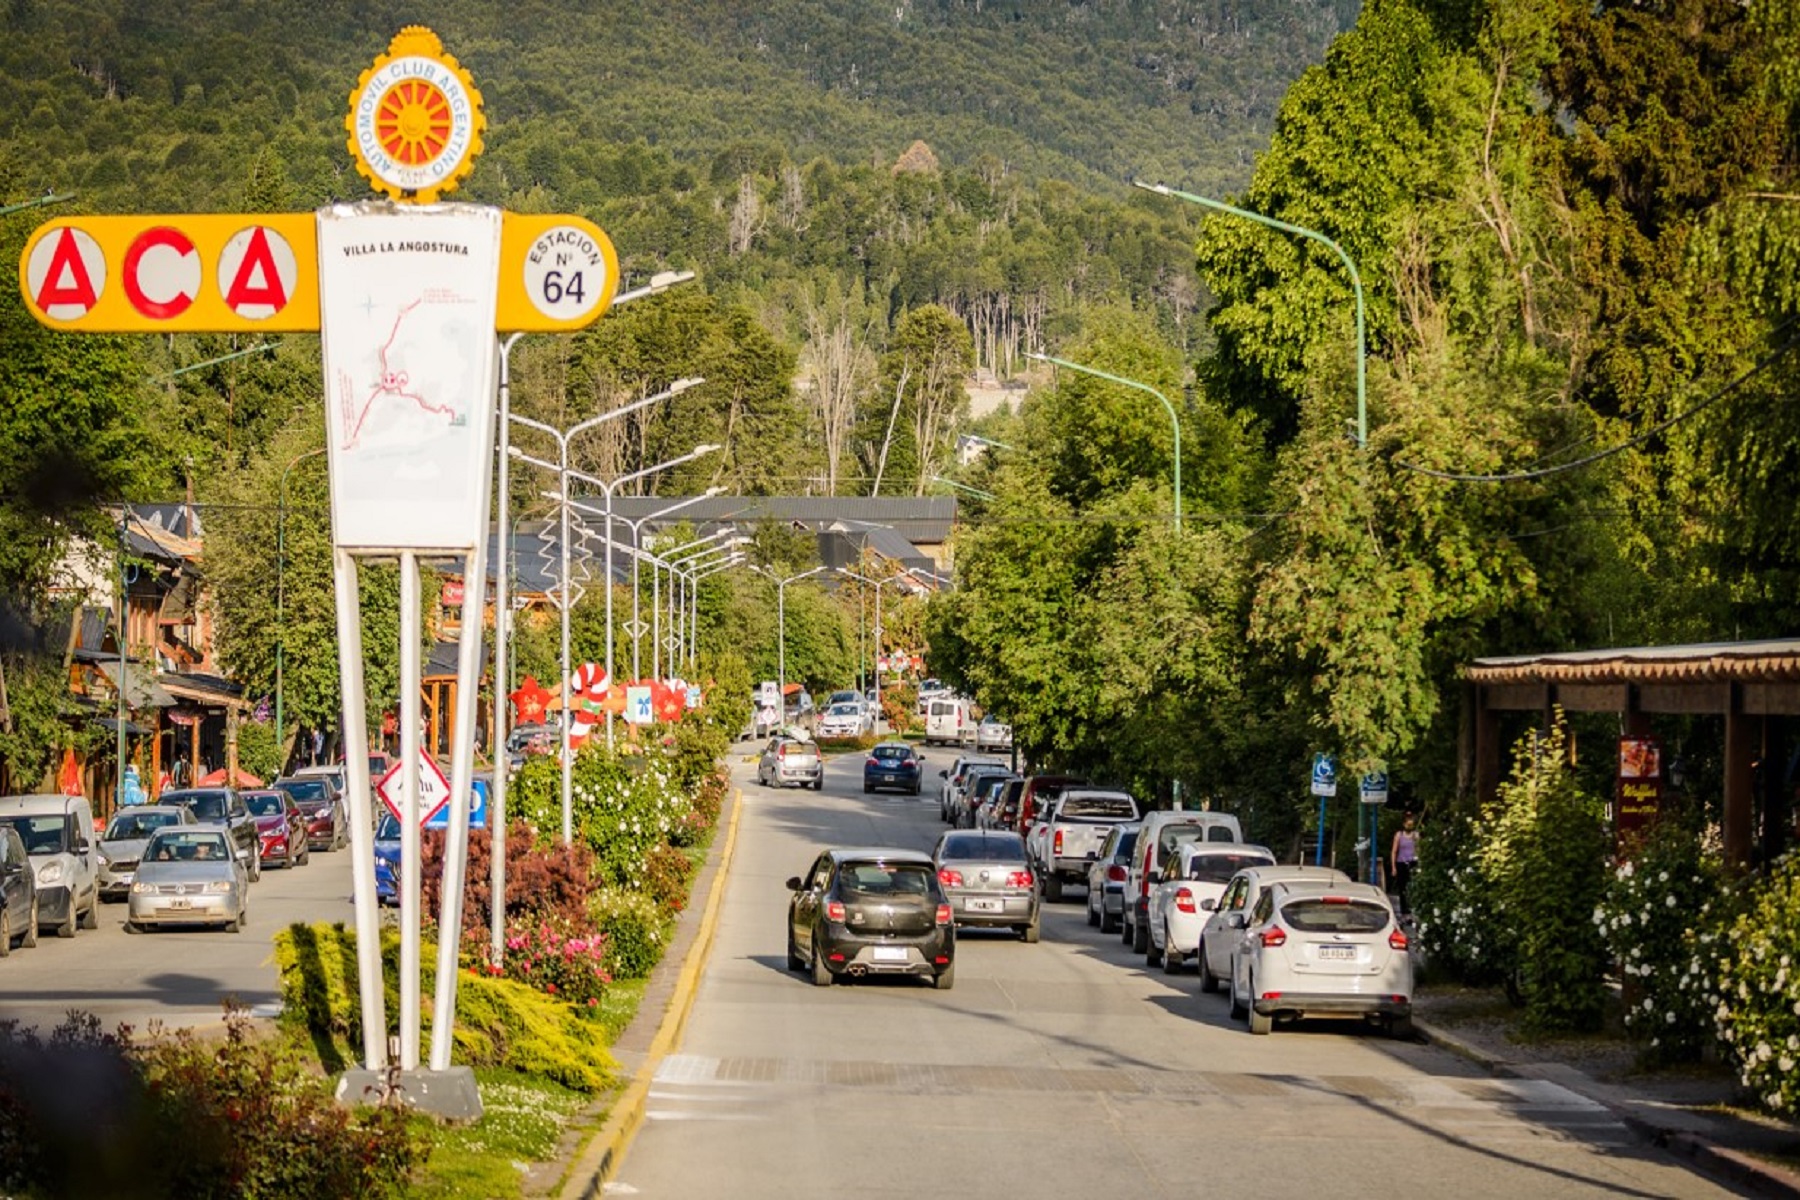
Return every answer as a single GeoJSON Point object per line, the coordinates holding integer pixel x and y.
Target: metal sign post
{"type": "Point", "coordinates": [1324, 786]}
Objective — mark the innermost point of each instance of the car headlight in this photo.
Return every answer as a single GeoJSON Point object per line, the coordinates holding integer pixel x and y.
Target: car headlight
{"type": "Point", "coordinates": [50, 873]}
{"type": "Point", "coordinates": [143, 889]}
{"type": "Point", "coordinates": [219, 885]}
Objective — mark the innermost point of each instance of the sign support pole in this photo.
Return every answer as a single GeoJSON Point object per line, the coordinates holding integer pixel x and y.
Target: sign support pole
{"type": "Point", "coordinates": [502, 677]}
{"type": "Point", "coordinates": [362, 816]}
{"type": "Point", "coordinates": [411, 875]}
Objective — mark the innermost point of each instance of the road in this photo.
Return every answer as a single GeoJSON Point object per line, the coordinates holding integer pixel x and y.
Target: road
{"type": "Point", "coordinates": [179, 978]}
{"type": "Point", "coordinates": [1064, 1069]}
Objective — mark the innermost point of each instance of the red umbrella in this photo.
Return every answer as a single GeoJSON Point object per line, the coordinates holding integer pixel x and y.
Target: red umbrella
{"type": "Point", "coordinates": [216, 778]}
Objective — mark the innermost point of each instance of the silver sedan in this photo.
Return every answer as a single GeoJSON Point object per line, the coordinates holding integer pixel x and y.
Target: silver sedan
{"type": "Point", "coordinates": [189, 876]}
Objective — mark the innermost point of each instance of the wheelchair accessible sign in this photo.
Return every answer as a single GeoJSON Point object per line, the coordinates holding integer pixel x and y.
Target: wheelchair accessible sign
{"type": "Point", "coordinates": [1324, 775]}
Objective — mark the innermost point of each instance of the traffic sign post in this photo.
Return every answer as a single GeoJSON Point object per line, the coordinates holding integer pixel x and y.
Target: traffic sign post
{"type": "Point", "coordinates": [1374, 795]}
{"type": "Point", "coordinates": [1324, 786]}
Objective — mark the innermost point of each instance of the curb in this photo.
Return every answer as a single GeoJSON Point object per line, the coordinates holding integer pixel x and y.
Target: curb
{"type": "Point", "coordinates": [1722, 1163]}
{"type": "Point", "coordinates": [600, 1158]}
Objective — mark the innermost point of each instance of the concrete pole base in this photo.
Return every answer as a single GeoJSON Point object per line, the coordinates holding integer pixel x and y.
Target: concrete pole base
{"type": "Point", "coordinates": [449, 1095]}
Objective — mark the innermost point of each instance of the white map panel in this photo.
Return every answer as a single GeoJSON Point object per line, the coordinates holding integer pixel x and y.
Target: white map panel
{"type": "Point", "coordinates": [407, 298]}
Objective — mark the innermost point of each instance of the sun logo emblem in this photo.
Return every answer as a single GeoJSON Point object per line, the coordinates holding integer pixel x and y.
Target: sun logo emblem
{"type": "Point", "coordinates": [415, 120]}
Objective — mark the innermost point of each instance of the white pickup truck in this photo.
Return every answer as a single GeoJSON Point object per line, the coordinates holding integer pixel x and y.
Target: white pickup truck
{"type": "Point", "coordinates": [1064, 845]}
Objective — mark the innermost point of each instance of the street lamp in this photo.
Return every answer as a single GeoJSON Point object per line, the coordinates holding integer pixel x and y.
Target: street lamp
{"type": "Point", "coordinates": [1362, 406]}
{"type": "Point", "coordinates": [41, 200]}
{"type": "Point", "coordinates": [692, 569]}
{"type": "Point", "coordinates": [700, 573]}
{"type": "Point", "coordinates": [280, 585]}
{"type": "Point", "coordinates": [781, 617]}
{"type": "Point", "coordinates": [657, 564]}
{"type": "Point", "coordinates": [1174, 420]}
{"type": "Point", "coordinates": [877, 584]}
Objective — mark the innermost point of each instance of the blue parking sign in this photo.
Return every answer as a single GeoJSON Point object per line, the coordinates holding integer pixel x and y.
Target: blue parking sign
{"type": "Point", "coordinates": [1324, 775]}
{"type": "Point", "coordinates": [478, 809]}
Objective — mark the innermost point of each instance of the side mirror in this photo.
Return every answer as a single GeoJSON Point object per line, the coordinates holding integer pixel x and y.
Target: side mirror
{"type": "Point", "coordinates": [1209, 905]}
{"type": "Point", "coordinates": [944, 773]}
{"type": "Point", "coordinates": [82, 846]}
{"type": "Point", "coordinates": [1234, 921]}
{"type": "Point", "coordinates": [793, 883]}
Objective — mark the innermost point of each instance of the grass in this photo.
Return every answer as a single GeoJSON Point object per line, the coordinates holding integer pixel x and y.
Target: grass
{"type": "Point", "coordinates": [522, 1122]}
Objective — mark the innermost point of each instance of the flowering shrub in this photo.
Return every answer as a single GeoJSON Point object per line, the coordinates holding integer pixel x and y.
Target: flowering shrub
{"type": "Point", "coordinates": [543, 876]}
{"type": "Point", "coordinates": [632, 924]}
{"type": "Point", "coordinates": [625, 807]}
{"type": "Point", "coordinates": [1455, 906]}
{"type": "Point", "coordinates": [1661, 918]}
{"type": "Point", "coordinates": [1758, 1011]}
{"type": "Point", "coordinates": [546, 955]}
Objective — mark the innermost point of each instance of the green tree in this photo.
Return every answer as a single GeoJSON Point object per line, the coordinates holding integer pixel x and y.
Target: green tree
{"type": "Point", "coordinates": [905, 428]}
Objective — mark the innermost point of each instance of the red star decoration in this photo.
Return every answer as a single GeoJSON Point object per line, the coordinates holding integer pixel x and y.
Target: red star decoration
{"type": "Point", "coordinates": [531, 701]}
{"type": "Point", "coordinates": [668, 703]}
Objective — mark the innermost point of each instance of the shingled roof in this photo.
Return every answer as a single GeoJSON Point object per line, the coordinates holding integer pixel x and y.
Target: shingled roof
{"type": "Point", "coordinates": [1708, 662]}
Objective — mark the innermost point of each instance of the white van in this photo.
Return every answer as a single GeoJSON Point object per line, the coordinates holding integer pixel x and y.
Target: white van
{"type": "Point", "coordinates": [58, 832]}
{"type": "Point", "coordinates": [1162, 831]}
{"type": "Point", "coordinates": [947, 720]}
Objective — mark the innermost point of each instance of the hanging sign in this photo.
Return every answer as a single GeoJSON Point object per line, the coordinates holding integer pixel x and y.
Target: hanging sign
{"type": "Point", "coordinates": [1639, 787]}
{"type": "Point", "coordinates": [410, 372]}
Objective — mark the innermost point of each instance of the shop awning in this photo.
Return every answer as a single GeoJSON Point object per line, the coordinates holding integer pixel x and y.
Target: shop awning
{"type": "Point", "coordinates": [141, 688]}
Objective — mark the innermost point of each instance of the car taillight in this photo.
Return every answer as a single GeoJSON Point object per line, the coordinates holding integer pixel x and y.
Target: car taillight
{"type": "Point", "coordinates": [1058, 849]}
{"type": "Point", "coordinates": [1397, 940]}
{"type": "Point", "coordinates": [1274, 937]}
{"type": "Point", "coordinates": [1184, 900]}
{"type": "Point", "coordinates": [1144, 881]}
{"type": "Point", "coordinates": [943, 914]}
{"type": "Point", "coordinates": [781, 751]}
{"type": "Point", "coordinates": [834, 910]}
{"type": "Point", "coordinates": [1019, 879]}
{"type": "Point", "coordinates": [1116, 873]}
{"type": "Point", "coordinates": [873, 762]}
{"type": "Point", "coordinates": [950, 878]}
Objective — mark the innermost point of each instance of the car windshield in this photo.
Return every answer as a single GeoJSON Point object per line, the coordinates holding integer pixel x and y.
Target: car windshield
{"type": "Point", "coordinates": [206, 806]}
{"type": "Point", "coordinates": [987, 787]}
{"type": "Point", "coordinates": [179, 845]}
{"type": "Point", "coordinates": [303, 789]}
{"type": "Point", "coordinates": [842, 710]}
{"type": "Point", "coordinates": [389, 829]}
{"type": "Point", "coordinates": [892, 753]}
{"type": "Point", "coordinates": [1334, 914]}
{"type": "Point", "coordinates": [131, 826]}
{"type": "Point", "coordinates": [886, 879]}
{"type": "Point", "coordinates": [1003, 846]}
{"type": "Point", "coordinates": [1110, 808]}
{"type": "Point", "coordinates": [1214, 867]}
{"type": "Point", "coordinates": [41, 834]}
{"type": "Point", "coordinates": [264, 804]}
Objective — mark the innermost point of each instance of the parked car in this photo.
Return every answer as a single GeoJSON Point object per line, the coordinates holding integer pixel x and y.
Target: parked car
{"type": "Point", "coordinates": [993, 734]}
{"type": "Point", "coordinates": [893, 765]}
{"type": "Point", "coordinates": [332, 773]}
{"type": "Point", "coordinates": [1315, 949]}
{"type": "Point", "coordinates": [844, 721]}
{"type": "Point", "coordinates": [1106, 877]}
{"type": "Point", "coordinates": [1006, 808]}
{"type": "Point", "coordinates": [190, 875]}
{"type": "Point", "coordinates": [387, 859]}
{"type": "Point", "coordinates": [523, 741]}
{"type": "Point", "coordinates": [223, 806]}
{"type": "Point", "coordinates": [1227, 916]}
{"type": "Point", "coordinates": [1163, 830]}
{"type": "Point", "coordinates": [58, 833]}
{"type": "Point", "coordinates": [850, 696]}
{"type": "Point", "coordinates": [952, 777]}
{"type": "Point", "coordinates": [988, 880]}
{"type": "Point", "coordinates": [871, 912]}
{"type": "Point", "coordinates": [122, 845]}
{"type": "Point", "coordinates": [327, 824]}
{"type": "Point", "coordinates": [1039, 790]}
{"type": "Point", "coordinates": [984, 787]}
{"type": "Point", "coordinates": [947, 720]}
{"type": "Point", "coordinates": [280, 827]}
{"type": "Point", "coordinates": [1062, 847]}
{"type": "Point", "coordinates": [788, 760]}
{"type": "Point", "coordinates": [18, 893]}
{"type": "Point", "coordinates": [1194, 875]}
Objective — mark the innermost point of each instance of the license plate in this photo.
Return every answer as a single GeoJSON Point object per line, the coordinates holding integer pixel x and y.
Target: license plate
{"type": "Point", "coordinates": [179, 904]}
{"type": "Point", "coordinates": [1338, 953]}
{"type": "Point", "coordinates": [889, 954]}
{"type": "Point", "coordinates": [987, 906]}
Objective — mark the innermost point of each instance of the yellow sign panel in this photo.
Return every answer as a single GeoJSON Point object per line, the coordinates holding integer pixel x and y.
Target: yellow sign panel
{"type": "Point", "coordinates": [259, 273]}
{"type": "Point", "coordinates": [415, 120]}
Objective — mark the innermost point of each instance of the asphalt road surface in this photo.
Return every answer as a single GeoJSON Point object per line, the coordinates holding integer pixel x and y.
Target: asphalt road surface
{"type": "Point", "coordinates": [1064, 1069]}
{"type": "Point", "coordinates": [182, 977]}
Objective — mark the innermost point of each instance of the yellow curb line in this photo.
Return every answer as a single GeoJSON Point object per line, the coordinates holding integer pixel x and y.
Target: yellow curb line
{"type": "Point", "coordinates": [591, 1171]}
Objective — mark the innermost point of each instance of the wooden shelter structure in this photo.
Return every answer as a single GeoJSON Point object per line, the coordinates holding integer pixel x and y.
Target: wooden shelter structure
{"type": "Point", "coordinates": [1753, 686]}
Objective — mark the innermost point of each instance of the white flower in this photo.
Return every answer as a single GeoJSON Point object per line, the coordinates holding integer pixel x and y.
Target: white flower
{"type": "Point", "coordinates": [1662, 877]}
{"type": "Point", "coordinates": [1671, 900]}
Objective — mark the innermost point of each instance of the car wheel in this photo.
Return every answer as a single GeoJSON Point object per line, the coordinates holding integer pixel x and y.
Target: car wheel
{"type": "Point", "coordinates": [821, 974]}
{"type": "Point", "coordinates": [1109, 922]}
{"type": "Point", "coordinates": [5, 930]}
{"type": "Point", "coordinates": [235, 925]}
{"type": "Point", "coordinates": [1153, 955]}
{"type": "Point", "coordinates": [1092, 916]}
{"type": "Point", "coordinates": [1140, 937]}
{"type": "Point", "coordinates": [1261, 1024]}
{"type": "Point", "coordinates": [867, 789]}
{"type": "Point", "coordinates": [133, 927]}
{"type": "Point", "coordinates": [29, 938]}
{"type": "Point", "coordinates": [1400, 1028]}
{"type": "Point", "coordinates": [1031, 932]}
{"type": "Point", "coordinates": [1209, 982]}
{"type": "Point", "coordinates": [915, 791]}
{"type": "Point", "coordinates": [91, 918]}
{"type": "Point", "coordinates": [256, 866]}
{"type": "Point", "coordinates": [1237, 1006]}
{"type": "Point", "coordinates": [305, 857]}
{"type": "Point", "coordinates": [945, 979]}
{"type": "Point", "coordinates": [795, 962]}
{"type": "Point", "coordinates": [1053, 888]}
{"type": "Point", "coordinates": [67, 928]}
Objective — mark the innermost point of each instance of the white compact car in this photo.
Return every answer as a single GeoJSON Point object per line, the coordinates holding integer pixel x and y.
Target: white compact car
{"type": "Point", "coordinates": [1190, 886]}
{"type": "Point", "coordinates": [843, 720]}
{"type": "Point", "coordinates": [1315, 949]}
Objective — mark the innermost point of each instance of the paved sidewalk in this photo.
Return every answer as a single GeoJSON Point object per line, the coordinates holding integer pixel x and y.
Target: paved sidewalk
{"type": "Point", "coordinates": [1687, 1113]}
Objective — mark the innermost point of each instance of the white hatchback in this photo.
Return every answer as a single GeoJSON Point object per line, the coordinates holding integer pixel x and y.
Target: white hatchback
{"type": "Point", "coordinates": [1188, 890]}
{"type": "Point", "coordinates": [1315, 949]}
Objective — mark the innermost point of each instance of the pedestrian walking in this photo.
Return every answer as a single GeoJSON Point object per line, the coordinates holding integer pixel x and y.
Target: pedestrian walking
{"type": "Point", "coordinates": [1403, 855]}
